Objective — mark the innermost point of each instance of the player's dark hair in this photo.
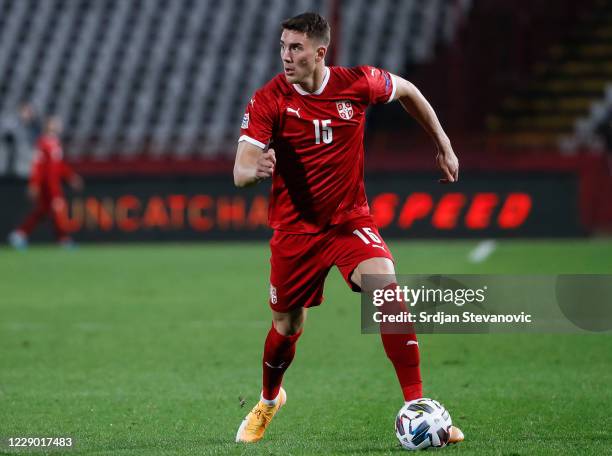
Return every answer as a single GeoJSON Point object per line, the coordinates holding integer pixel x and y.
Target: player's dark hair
{"type": "Point", "coordinates": [312, 24]}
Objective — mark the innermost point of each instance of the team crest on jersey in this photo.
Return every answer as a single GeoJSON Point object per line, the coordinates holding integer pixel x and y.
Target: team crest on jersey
{"type": "Point", "coordinates": [345, 109]}
{"type": "Point", "coordinates": [245, 121]}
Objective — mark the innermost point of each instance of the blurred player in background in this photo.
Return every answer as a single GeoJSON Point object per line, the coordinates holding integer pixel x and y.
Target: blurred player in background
{"type": "Point", "coordinates": [305, 130]}
{"type": "Point", "coordinates": [49, 171]}
{"type": "Point", "coordinates": [19, 135]}
{"type": "Point", "coordinates": [31, 122]}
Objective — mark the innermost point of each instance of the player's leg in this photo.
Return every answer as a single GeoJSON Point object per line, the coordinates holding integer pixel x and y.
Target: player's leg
{"type": "Point", "coordinates": [279, 350]}
{"type": "Point", "coordinates": [296, 283]}
{"type": "Point", "coordinates": [58, 208]}
{"type": "Point", "coordinates": [360, 250]}
{"type": "Point", "coordinates": [400, 343]}
{"type": "Point", "coordinates": [19, 237]}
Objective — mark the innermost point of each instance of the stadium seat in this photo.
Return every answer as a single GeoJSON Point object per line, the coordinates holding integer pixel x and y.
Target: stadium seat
{"type": "Point", "coordinates": [173, 77]}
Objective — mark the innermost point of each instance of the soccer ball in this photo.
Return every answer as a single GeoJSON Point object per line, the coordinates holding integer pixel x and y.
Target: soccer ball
{"type": "Point", "coordinates": [423, 423]}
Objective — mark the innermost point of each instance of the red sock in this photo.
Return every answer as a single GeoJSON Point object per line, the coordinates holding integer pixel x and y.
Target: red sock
{"type": "Point", "coordinates": [402, 348]}
{"type": "Point", "coordinates": [279, 351]}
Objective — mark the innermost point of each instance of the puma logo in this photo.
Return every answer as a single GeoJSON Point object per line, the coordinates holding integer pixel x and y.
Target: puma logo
{"type": "Point", "coordinates": [295, 111]}
{"type": "Point", "coordinates": [379, 246]}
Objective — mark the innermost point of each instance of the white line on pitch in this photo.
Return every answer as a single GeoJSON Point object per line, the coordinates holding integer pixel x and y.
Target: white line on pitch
{"type": "Point", "coordinates": [482, 251]}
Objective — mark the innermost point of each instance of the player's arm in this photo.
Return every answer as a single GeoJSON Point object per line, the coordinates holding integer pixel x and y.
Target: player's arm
{"type": "Point", "coordinates": [418, 107]}
{"type": "Point", "coordinates": [67, 174]}
{"type": "Point", "coordinates": [35, 180]}
{"type": "Point", "coordinates": [252, 164]}
{"type": "Point", "coordinates": [41, 155]}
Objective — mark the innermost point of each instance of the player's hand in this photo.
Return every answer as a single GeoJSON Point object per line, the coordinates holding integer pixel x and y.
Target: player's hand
{"type": "Point", "coordinates": [76, 182]}
{"type": "Point", "coordinates": [265, 165]}
{"type": "Point", "coordinates": [33, 192]}
{"type": "Point", "coordinates": [448, 163]}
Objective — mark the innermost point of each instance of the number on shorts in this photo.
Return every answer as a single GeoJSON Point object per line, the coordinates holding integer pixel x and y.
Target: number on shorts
{"type": "Point", "coordinates": [375, 239]}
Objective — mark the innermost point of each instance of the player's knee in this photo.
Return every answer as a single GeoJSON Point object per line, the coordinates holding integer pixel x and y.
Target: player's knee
{"type": "Point", "coordinates": [289, 323]}
{"type": "Point", "coordinates": [287, 328]}
{"type": "Point", "coordinates": [381, 269]}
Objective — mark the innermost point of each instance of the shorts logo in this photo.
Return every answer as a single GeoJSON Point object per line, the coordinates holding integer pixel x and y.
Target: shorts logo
{"type": "Point", "coordinates": [245, 121]}
{"type": "Point", "coordinates": [273, 298]}
{"type": "Point", "coordinates": [345, 109]}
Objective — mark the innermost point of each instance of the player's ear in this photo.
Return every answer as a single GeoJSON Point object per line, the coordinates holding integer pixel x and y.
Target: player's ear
{"type": "Point", "coordinates": [321, 52]}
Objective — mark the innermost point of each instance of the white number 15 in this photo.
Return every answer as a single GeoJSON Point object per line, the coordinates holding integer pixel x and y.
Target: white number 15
{"type": "Point", "coordinates": [370, 234]}
{"type": "Point", "coordinates": [327, 131]}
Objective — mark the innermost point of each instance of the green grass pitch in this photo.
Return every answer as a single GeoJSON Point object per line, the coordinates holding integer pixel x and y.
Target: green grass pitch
{"type": "Point", "coordinates": [145, 349]}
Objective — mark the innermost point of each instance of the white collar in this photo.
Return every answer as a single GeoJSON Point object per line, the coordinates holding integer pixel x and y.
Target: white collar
{"type": "Point", "coordinates": [301, 91]}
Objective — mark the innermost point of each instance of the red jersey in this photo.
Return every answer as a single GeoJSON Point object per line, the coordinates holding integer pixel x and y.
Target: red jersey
{"type": "Point", "coordinates": [318, 141]}
{"type": "Point", "coordinates": [48, 166]}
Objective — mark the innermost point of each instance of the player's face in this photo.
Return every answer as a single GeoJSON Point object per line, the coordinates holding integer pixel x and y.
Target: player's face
{"type": "Point", "coordinates": [54, 126]}
{"type": "Point", "coordinates": [299, 55]}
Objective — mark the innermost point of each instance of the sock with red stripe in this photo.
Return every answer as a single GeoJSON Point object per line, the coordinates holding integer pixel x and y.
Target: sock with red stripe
{"type": "Point", "coordinates": [402, 349]}
{"type": "Point", "coordinates": [279, 351]}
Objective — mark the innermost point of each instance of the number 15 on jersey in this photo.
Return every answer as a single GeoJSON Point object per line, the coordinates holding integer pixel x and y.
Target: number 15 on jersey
{"type": "Point", "coordinates": [322, 129]}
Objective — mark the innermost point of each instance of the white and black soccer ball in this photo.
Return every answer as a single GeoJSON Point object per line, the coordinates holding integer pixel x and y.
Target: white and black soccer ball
{"type": "Point", "coordinates": [423, 423]}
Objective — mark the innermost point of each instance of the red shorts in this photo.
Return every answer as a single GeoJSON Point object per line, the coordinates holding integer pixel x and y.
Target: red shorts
{"type": "Point", "coordinates": [300, 262]}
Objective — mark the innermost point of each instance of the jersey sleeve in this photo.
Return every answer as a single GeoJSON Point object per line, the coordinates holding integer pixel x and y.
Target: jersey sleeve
{"type": "Point", "coordinates": [258, 120]}
{"type": "Point", "coordinates": [65, 170]}
{"type": "Point", "coordinates": [381, 84]}
{"type": "Point", "coordinates": [36, 170]}
{"type": "Point", "coordinates": [41, 157]}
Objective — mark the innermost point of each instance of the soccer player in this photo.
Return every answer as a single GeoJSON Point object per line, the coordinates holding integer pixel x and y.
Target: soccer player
{"type": "Point", "coordinates": [45, 187]}
{"type": "Point", "coordinates": [304, 129]}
